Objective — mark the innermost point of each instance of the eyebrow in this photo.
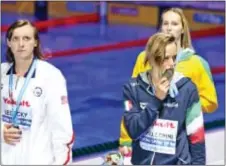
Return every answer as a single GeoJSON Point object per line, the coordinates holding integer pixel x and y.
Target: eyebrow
{"type": "Point", "coordinates": [170, 21]}
{"type": "Point", "coordinates": [167, 56]}
{"type": "Point", "coordinates": [21, 36]}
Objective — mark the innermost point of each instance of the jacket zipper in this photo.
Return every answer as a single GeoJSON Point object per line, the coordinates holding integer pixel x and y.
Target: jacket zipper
{"type": "Point", "coordinates": [17, 80]}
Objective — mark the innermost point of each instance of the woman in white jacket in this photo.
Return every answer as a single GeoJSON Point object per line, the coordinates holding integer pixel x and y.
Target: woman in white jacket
{"type": "Point", "coordinates": [36, 120]}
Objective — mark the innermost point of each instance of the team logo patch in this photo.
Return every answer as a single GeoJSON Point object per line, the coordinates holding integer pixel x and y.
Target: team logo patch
{"type": "Point", "coordinates": [171, 105]}
{"type": "Point", "coordinates": [37, 91]}
{"type": "Point", "coordinates": [143, 105]}
{"type": "Point", "coordinates": [128, 105]}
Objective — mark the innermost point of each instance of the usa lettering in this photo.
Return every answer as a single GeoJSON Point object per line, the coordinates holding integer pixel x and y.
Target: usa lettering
{"type": "Point", "coordinates": [19, 114]}
{"type": "Point", "coordinates": [13, 102]}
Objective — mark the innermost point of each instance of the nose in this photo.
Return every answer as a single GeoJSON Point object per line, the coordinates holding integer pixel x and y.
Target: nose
{"type": "Point", "coordinates": [21, 43]}
{"type": "Point", "coordinates": [169, 28]}
{"type": "Point", "coordinates": [172, 63]}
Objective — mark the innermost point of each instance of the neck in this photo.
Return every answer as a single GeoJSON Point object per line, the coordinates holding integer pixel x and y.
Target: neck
{"type": "Point", "coordinates": [22, 66]}
{"type": "Point", "coordinates": [179, 45]}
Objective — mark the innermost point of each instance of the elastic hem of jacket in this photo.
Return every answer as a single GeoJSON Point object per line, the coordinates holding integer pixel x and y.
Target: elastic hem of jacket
{"type": "Point", "coordinates": [126, 144]}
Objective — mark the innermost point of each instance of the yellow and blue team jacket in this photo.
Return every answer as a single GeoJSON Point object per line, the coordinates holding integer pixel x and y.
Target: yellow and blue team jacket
{"type": "Point", "coordinates": [195, 68]}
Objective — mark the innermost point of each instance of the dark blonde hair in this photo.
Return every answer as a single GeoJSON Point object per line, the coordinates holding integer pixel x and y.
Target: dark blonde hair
{"type": "Point", "coordinates": [155, 48]}
{"type": "Point", "coordinates": [186, 36]}
{"type": "Point", "coordinates": [20, 23]}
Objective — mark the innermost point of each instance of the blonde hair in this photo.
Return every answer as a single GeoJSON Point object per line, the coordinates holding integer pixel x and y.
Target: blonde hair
{"type": "Point", "coordinates": [186, 36]}
{"type": "Point", "coordinates": [155, 48]}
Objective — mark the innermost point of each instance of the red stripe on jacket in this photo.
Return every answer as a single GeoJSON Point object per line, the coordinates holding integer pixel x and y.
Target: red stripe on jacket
{"type": "Point", "coordinates": [198, 136]}
{"type": "Point", "coordinates": [69, 149]}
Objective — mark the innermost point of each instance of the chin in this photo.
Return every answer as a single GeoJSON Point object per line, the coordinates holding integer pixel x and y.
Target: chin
{"type": "Point", "coordinates": [24, 57]}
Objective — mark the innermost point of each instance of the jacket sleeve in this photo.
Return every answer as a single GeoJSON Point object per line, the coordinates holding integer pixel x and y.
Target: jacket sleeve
{"type": "Point", "coordinates": [207, 91]}
{"type": "Point", "coordinates": [137, 121]}
{"type": "Point", "coordinates": [124, 139]}
{"type": "Point", "coordinates": [195, 130]}
{"type": "Point", "coordinates": [2, 129]}
{"type": "Point", "coordinates": [139, 67]}
{"type": "Point", "coordinates": [4, 68]}
{"type": "Point", "coordinates": [60, 120]}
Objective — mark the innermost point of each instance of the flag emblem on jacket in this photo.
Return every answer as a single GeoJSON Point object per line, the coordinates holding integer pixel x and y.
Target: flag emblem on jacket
{"type": "Point", "coordinates": [128, 105]}
{"type": "Point", "coordinates": [64, 100]}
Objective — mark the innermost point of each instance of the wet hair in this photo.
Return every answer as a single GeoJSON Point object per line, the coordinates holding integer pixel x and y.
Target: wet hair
{"type": "Point", "coordinates": [20, 23]}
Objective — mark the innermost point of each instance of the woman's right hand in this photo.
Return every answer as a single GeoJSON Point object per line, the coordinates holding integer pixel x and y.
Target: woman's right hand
{"type": "Point", "coordinates": [161, 88]}
{"type": "Point", "coordinates": [11, 134]}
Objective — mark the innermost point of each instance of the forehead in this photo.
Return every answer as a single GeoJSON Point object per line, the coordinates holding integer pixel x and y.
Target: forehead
{"type": "Point", "coordinates": [26, 30]}
{"type": "Point", "coordinates": [171, 16]}
{"type": "Point", "coordinates": [171, 49]}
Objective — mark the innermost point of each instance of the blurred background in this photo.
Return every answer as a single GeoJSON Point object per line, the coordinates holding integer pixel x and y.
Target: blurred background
{"type": "Point", "coordinates": [95, 45]}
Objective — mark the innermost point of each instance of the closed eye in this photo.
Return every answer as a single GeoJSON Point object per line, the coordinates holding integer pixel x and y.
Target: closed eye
{"type": "Point", "coordinates": [168, 57]}
{"type": "Point", "coordinates": [174, 57]}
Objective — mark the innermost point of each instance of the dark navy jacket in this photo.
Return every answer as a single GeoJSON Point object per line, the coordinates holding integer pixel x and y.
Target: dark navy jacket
{"type": "Point", "coordinates": [143, 108]}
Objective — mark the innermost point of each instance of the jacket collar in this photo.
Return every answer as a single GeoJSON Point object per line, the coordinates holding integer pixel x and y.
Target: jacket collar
{"type": "Point", "coordinates": [25, 75]}
{"type": "Point", "coordinates": [143, 80]}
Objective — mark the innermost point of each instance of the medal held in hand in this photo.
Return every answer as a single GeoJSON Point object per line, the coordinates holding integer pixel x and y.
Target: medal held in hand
{"type": "Point", "coordinates": [168, 74]}
{"type": "Point", "coordinates": [113, 158]}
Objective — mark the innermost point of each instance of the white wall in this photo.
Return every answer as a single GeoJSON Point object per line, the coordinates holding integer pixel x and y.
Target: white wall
{"type": "Point", "coordinates": [215, 147]}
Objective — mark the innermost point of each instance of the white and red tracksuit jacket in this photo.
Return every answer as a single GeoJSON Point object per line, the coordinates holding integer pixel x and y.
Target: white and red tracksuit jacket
{"type": "Point", "coordinates": [44, 117]}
